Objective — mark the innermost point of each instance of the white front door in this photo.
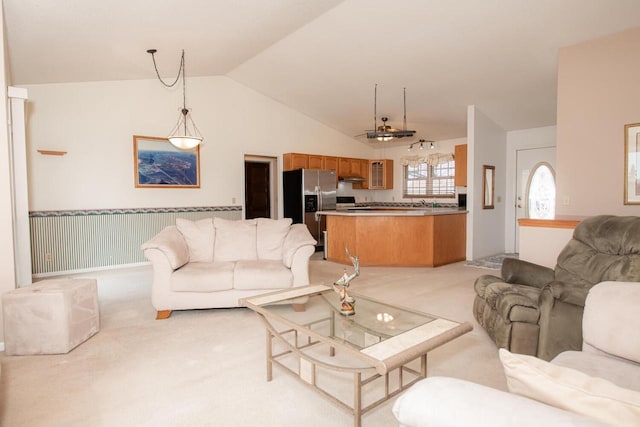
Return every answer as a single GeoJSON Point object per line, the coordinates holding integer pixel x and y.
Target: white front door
{"type": "Point", "coordinates": [527, 161]}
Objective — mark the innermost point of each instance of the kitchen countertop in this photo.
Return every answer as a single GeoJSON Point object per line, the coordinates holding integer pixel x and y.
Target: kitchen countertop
{"type": "Point", "coordinates": [384, 211]}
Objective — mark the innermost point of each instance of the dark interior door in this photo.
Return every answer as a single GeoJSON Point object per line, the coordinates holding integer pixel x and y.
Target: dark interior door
{"type": "Point", "coordinates": [256, 193]}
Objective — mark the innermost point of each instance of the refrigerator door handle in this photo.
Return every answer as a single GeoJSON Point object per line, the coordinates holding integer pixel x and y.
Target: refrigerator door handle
{"type": "Point", "coordinates": [319, 196]}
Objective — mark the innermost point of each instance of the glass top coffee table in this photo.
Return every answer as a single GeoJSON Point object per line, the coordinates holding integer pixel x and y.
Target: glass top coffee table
{"type": "Point", "coordinates": [377, 340]}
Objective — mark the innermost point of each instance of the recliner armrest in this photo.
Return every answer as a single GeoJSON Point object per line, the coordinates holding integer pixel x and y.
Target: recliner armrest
{"type": "Point", "coordinates": [526, 273]}
{"type": "Point", "coordinates": [570, 293]}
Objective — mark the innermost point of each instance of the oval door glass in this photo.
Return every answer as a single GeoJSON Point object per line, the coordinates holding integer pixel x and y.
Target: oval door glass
{"type": "Point", "coordinates": [541, 192]}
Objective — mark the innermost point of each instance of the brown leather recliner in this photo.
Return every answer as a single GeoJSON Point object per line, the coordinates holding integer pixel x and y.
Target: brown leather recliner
{"type": "Point", "coordinates": [536, 310]}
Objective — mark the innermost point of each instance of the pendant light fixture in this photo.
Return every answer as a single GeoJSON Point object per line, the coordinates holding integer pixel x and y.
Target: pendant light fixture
{"type": "Point", "coordinates": [422, 147]}
{"type": "Point", "coordinates": [185, 135]}
{"type": "Point", "coordinates": [386, 132]}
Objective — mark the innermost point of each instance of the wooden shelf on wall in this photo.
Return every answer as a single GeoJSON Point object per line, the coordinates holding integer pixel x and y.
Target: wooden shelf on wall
{"type": "Point", "coordinates": [52, 152]}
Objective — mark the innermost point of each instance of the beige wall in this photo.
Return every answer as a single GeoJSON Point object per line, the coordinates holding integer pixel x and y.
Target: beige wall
{"type": "Point", "coordinates": [598, 93]}
{"type": "Point", "coordinates": [94, 122]}
{"type": "Point", "coordinates": [7, 274]}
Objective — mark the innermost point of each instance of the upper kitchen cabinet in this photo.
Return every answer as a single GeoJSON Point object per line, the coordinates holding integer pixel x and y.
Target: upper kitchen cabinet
{"type": "Point", "coordinates": [315, 162]}
{"type": "Point", "coordinates": [381, 174]}
{"type": "Point", "coordinates": [460, 157]}
{"type": "Point", "coordinates": [330, 163]}
{"type": "Point", "coordinates": [292, 161]}
{"type": "Point", "coordinates": [364, 173]}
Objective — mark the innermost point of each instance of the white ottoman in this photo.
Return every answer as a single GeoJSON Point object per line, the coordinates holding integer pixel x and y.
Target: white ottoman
{"type": "Point", "coordinates": [50, 317]}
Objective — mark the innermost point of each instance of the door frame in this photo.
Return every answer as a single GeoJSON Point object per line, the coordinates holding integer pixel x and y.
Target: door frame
{"type": "Point", "coordinates": [273, 182]}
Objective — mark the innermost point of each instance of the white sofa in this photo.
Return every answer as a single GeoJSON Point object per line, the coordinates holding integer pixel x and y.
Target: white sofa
{"type": "Point", "coordinates": [597, 386]}
{"type": "Point", "coordinates": [212, 263]}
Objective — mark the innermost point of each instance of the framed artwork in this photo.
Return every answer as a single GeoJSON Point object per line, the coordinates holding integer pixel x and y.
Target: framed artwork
{"type": "Point", "coordinates": [158, 164]}
{"type": "Point", "coordinates": [488, 186]}
{"type": "Point", "coordinates": [632, 164]}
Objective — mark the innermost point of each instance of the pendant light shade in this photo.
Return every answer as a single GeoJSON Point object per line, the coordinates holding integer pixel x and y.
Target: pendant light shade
{"type": "Point", "coordinates": [185, 134]}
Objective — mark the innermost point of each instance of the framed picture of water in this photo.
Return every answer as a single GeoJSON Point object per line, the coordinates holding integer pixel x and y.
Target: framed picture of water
{"type": "Point", "coordinates": [632, 164]}
{"type": "Point", "coordinates": [158, 164]}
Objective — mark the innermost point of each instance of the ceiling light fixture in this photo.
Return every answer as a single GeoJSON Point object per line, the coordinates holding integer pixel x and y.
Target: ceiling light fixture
{"type": "Point", "coordinates": [386, 132]}
{"type": "Point", "coordinates": [185, 135]}
{"type": "Point", "coordinates": [421, 142]}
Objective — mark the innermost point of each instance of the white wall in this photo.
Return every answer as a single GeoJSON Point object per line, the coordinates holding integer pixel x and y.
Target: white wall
{"type": "Point", "coordinates": [486, 145]}
{"type": "Point", "coordinates": [598, 94]}
{"type": "Point", "coordinates": [7, 272]}
{"type": "Point", "coordinates": [95, 123]}
{"type": "Point", "coordinates": [520, 140]}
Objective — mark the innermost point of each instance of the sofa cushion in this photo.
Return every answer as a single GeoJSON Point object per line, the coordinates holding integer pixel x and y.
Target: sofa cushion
{"type": "Point", "coordinates": [199, 236]}
{"type": "Point", "coordinates": [570, 389]}
{"type": "Point", "coordinates": [264, 274]}
{"type": "Point", "coordinates": [235, 240]}
{"type": "Point", "coordinates": [621, 372]}
{"type": "Point", "coordinates": [270, 237]}
{"type": "Point", "coordinates": [613, 303]}
{"type": "Point", "coordinates": [442, 401]}
{"type": "Point", "coordinates": [203, 277]}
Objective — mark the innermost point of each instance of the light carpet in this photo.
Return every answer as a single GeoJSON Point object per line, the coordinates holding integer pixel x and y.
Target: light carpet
{"type": "Point", "coordinates": [207, 367]}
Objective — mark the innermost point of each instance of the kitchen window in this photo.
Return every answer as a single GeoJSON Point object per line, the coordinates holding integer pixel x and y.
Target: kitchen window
{"type": "Point", "coordinates": [429, 177]}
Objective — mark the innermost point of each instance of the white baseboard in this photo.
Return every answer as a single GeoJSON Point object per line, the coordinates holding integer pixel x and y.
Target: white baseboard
{"type": "Point", "coordinates": [88, 270]}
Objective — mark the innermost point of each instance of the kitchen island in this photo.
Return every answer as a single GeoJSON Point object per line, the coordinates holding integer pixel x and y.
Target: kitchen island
{"type": "Point", "coordinates": [397, 237]}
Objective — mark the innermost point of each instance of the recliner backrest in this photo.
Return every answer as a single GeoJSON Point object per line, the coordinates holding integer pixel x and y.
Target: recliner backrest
{"type": "Point", "coordinates": [603, 248]}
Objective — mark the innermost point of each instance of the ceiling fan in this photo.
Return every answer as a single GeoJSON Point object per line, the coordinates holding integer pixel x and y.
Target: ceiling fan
{"type": "Point", "coordinates": [385, 132]}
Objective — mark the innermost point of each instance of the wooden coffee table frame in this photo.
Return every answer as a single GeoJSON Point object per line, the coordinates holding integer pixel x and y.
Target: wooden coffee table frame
{"type": "Point", "coordinates": [379, 360]}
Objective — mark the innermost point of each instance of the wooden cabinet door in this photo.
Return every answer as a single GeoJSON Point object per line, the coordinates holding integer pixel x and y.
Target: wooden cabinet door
{"type": "Point", "coordinates": [460, 157]}
{"type": "Point", "coordinates": [344, 166]}
{"type": "Point", "coordinates": [364, 173]}
{"type": "Point", "coordinates": [355, 167]}
{"type": "Point", "coordinates": [315, 162]}
{"type": "Point", "coordinates": [292, 161]}
{"type": "Point", "coordinates": [330, 163]}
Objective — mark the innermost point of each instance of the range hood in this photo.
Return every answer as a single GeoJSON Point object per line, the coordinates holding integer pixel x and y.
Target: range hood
{"type": "Point", "coordinates": [351, 178]}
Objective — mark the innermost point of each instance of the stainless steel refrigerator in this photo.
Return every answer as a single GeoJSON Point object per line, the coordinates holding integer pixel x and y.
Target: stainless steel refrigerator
{"type": "Point", "coordinates": [305, 192]}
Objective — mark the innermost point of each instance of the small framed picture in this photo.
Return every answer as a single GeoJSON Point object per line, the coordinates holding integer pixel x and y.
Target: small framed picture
{"type": "Point", "coordinates": [632, 164]}
{"type": "Point", "coordinates": [158, 164]}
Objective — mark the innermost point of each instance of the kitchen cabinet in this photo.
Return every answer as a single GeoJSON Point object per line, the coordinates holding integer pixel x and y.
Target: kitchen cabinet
{"type": "Point", "coordinates": [364, 172]}
{"type": "Point", "coordinates": [292, 161]}
{"type": "Point", "coordinates": [420, 240]}
{"type": "Point", "coordinates": [330, 163]}
{"type": "Point", "coordinates": [315, 162]}
{"type": "Point", "coordinates": [344, 167]}
{"type": "Point", "coordinates": [355, 168]}
{"type": "Point", "coordinates": [460, 157]}
{"type": "Point", "coordinates": [381, 174]}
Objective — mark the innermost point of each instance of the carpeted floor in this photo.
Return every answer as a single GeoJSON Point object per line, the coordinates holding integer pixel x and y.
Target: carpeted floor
{"type": "Point", "coordinates": [493, 262]}
{"type": "Point", "coordinates": [207, 367]}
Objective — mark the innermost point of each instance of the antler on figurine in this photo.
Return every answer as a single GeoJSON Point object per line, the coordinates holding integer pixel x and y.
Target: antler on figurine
{"type": "Point", "coordinates": [340, 286]}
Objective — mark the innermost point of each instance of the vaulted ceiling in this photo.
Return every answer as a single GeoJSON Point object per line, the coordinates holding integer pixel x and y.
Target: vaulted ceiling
{"type": "Point", "coordinates": [323, 57]}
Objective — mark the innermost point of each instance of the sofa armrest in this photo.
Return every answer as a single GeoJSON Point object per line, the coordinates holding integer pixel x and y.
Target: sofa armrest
{"type": "Point", "coordinates": [297, 237]}
{"type": "Point", "coordinates": [526, 273]}
{"type": "Point", "coordinates": [171, 243]}
{"type": "Point", "coordinates": [442, 401]}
